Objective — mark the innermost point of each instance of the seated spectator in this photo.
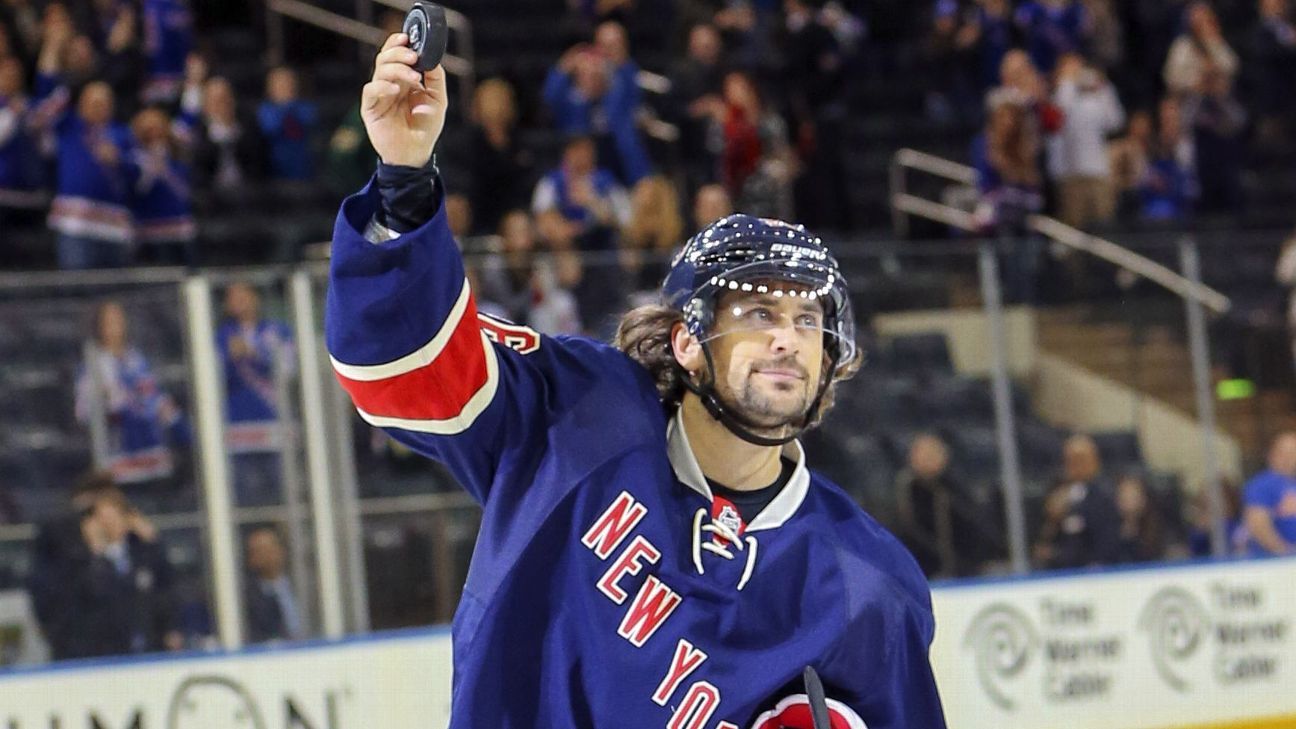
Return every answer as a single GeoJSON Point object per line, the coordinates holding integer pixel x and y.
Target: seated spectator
{"type": "Point", "coordinates": [1272, 55]}
{"type": "Point", "coordinates": [229, 152]}
{"type": "Point", "coordinates": [117, 395]}
{"type": "Point", "coordinates": [503, 172]}
{"type": "Point", "coordinates": [1081, 527]}
{"type": "Point", "coordinates": [1269, 502]}
{"type": "Point", "coordinates": [1142, 531]}
{"type": "Point", "coordinates": [592, 94]}
{"type": "Point", "coordinates": [531, 288]}
{"type": "Point", "coordinates": [162, 202]}
{"type": "Point", "coordinates": [696, 85]}
{"type": "Point", "coordinates": [287, 123]}
{"type": "Point", "coordinates": [273, 612]}
{"type": "Point", "coordinates": [757, 165]}
{"type": "Point", "coordinates": [258, 357]}
{"type": "Point", "coordinates": [710, 204]}
{"type": "Point", "coordinates": [168, 39]}
{"type": "Point", "coordinates": [930, 517]}
{"type": "Point", "coordinates": [1199, 518]}
{"type": "Point", "coordinates": [655, 230]}
{"type": "Point", "coordinates": [1169, 188]}
{"type": "Point", "coordinates": [105, 588]}
{"type": "Point", "coordinates": [1200, 47]}
{"type": "Point", "coordinates": [1128, 157]}
{"type": "Point", "coordinates": [1052, 28]}
{"type": "Point", "coordinates": [1217, 122]}
{"type": "Point", "coordinates": [1078, 161]}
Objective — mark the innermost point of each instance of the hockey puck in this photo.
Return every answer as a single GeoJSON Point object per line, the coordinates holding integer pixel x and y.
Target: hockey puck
{"type": "Point", "coordinates": [425, 25]}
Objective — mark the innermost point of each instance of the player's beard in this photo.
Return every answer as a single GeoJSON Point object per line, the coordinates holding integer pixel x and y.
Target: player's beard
{"type": "Point", "coordinates": [757, 403]}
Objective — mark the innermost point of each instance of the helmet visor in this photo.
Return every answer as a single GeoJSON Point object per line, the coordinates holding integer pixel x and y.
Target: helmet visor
{"type": "Point", "coordinates": [806, 298]}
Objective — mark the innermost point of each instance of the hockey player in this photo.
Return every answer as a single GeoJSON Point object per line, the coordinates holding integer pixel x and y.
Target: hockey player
{"type": "Point", "coordinates": [653, 550]}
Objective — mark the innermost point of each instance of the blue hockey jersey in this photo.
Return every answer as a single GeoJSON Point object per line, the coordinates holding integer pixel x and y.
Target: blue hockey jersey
{"type": "Point", "coordinates": [251, 393]}
{"type": "Point", "coordinates": [601, 592]}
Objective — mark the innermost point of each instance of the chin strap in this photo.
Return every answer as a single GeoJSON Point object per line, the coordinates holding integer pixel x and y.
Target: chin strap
{"type": "Point", "coordinates": [735, 421]}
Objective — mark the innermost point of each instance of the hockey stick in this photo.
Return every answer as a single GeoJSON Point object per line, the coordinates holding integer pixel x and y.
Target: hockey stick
{"type": "Point", "coordinates": [818, 702]}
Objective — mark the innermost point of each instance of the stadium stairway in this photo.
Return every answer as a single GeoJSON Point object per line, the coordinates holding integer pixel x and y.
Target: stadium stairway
{"type": "Point", "coordinates": [1157, 362]}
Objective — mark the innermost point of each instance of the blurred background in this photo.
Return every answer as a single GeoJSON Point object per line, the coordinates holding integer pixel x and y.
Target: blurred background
{"type": "Point", "coordinates": [1066, 223]}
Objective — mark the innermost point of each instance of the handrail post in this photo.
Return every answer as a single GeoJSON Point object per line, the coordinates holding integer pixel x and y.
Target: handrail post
{"type": "Point", "coordinates": [1200, 353]}
{"type": "Point", "coordinates": [1005, 418]}
{"type": "Point", "coordinates": [209, 421]}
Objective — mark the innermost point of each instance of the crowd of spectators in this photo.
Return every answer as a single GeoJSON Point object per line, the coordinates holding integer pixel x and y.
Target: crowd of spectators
{"type": "Point", "coordinates": [109, 115]}
{"type": "Point", "coordinates": [1091, 517]}
{"type": "Point", "coordinates": [1130, 111]}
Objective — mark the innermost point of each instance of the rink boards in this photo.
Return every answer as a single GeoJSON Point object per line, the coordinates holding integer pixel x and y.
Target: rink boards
{"type": "Point", "coordinates": [1206, 645]}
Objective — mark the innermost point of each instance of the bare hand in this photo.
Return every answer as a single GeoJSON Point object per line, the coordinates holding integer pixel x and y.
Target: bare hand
{"type": "Point", "coordinates": [96, 539]}
{"type": "Point", "coordinates": [141, 526]}
{"type": "Point", "coordinates": [107, 153]}
{"type": "Point", "coordinates": [403, 111]}
{"type": "Point", "coordinates": [239, 348]}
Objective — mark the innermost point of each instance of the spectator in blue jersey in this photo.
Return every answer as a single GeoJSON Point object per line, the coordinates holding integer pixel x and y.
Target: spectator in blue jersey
{"type": "Point", "coordinates": [593, 91]}
{"type": "Point", "coordinates": [273, 612]}
{"type": "Point", "coordinates": [118, 396]}
{"type": "Point", "coordinates": [591, 203]}
{"type": "Point", "coordinates": [991, 28]}
{"type": "Point", "coordinates": [168, 39]}
{"type": "Point", "coordinates": [21, 176]}
{"type": "Point", "coordinates": [1052, 29]}
{"type": "Point", "coordinates": [1269, 501]}
{"type": "Point", "coordinates": [1169, 186]}
{"type": "Point", "coordinates": [257, 354]}
{"type": "Point", "coordinates": [287, 122]}
{"type": "Point", "coordinates": [91, 210]}
{"type": "Point", "coordinates": [164, 224]}
{"type": "Point", "coordinates": [580, 206]}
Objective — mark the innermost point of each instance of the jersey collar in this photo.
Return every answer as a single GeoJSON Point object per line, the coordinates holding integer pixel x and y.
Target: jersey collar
{"type": "Point", "coordinates": [689, 473]}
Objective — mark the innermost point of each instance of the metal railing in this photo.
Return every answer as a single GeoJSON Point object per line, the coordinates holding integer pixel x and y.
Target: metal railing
{"type": "Point", "coordinates": [1187, 287]}
{"type": "Point", "coordinates": [903, 204]}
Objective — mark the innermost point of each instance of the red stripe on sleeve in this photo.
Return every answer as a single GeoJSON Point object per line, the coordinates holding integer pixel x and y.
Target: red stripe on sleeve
{"type": "Point", "coordinates": [435, 391]}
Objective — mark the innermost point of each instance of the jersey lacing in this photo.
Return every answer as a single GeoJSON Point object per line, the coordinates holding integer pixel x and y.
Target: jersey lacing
{"type": "Point", "coordinates": [724, 532]}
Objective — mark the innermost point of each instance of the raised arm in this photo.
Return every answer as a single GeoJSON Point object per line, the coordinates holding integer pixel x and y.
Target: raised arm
{"type": "Point", "coordinates": [402, 325]}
